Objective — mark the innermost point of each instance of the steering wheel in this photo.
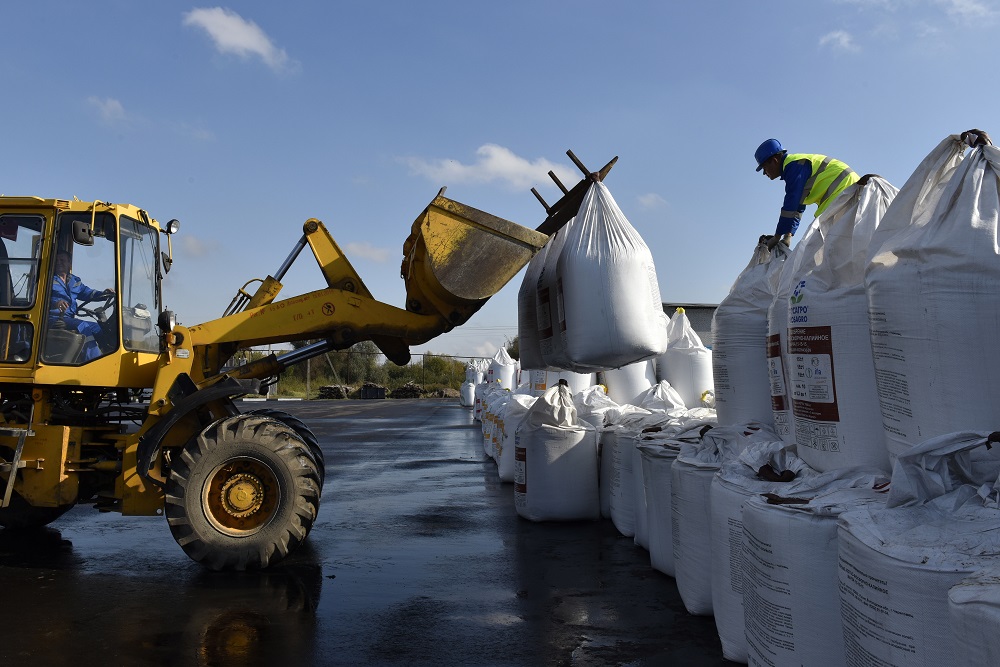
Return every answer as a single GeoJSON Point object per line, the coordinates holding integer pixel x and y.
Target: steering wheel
{"type": "Point", "coordinates": [99, 313]}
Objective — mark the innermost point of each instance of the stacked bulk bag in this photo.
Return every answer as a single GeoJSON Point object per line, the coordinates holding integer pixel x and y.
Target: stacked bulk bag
{"type": "Point", "coordinates": [690, 483]}
{"type": "Point", "coordinates": [639, 504]}
{"type": "Point", "coordinates": [502, 369]}
{"type": "Point", "coordinates": [658, 455]}
{"type": "Point", "coordinates": [658, 447]}
{"type": "Point", "coordinates": [739, 332]}
{"type": "Point", "coordinates": [467, 392]}
{"type": "Point", "coordinates": [537, 381]}
{"type": "Point", "coordinates": [764, 467]}
{"type": "Point", "coordinates": [555, 462]}
{"type": "Point", "coordinates": [627, 495]}
{"type": "Point", "coordinates": [932, 286]}
{"type": "Point", "coordinates": [467, 395]}
{"type": "Point", "coordinates": [777, 332]}
{"type": "Point", "coordinates": [628, 384]}
{"type": "Point", "coordinates": [515, 411]}
{"type": "Point", "coordinates": [837, 419]}
{"type": "Point", "coordinates": [591, 404]}
{"type": "Point", "coordinates": [494, 400]}
{"type": "Point", "coordinates": [477, 409]}
{"type": "Point", "coordinates": [790, 571]}
{"type": "Point", "coordinates": [661, 398]}
{"type": "Point", "coordinates": [898, 564]}
{"type": "Point", "coordinates": [974, 618]}
{"type": "Point", "coordinates": [687, 363]}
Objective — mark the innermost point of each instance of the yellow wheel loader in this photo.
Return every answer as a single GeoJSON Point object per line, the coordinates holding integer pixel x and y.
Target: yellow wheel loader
{"type": "Point", "coordinates": [106, 400]}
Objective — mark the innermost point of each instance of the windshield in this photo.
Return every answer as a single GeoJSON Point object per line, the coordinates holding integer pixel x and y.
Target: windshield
{"type": "Point", "coordinates": [140, 297]}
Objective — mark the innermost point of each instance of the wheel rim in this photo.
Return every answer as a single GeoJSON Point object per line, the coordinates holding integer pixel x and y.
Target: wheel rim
{"type": "Point", "coordinates": [241, 496]}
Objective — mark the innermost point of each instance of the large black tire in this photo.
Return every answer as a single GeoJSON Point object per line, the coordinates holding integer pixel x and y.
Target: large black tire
{"type": "Point", "coordinates": [303, 432]}
{"type": "Point", "coordinates": [242, 494]}
{"type": "Point", "coordinates": [19, 515]}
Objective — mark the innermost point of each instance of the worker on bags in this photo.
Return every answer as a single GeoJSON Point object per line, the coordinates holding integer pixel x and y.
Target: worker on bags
{"type": "Point", "coordinates": [809, 179]}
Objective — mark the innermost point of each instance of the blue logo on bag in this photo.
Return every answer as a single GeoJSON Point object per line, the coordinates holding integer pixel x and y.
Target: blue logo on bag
{"type": "Point", "coordinates": [797, 294]}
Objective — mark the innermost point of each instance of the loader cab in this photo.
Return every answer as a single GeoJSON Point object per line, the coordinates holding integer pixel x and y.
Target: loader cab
{"type": "Point", "coordinates": [104, 295]}
{"type": "Point", "coordinates": [67, 301]}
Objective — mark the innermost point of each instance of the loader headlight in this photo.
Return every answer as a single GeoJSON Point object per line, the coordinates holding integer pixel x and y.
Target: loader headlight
{"type": "Point", "coordinates": [167, 321]}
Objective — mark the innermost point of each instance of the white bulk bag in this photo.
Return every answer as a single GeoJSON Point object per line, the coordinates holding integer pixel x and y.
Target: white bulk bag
{"type": "Point", "coordinates": [690, 484]}
{"type": "Point", "coordinates": [622, 491]}
{"type": "Point", "coordinates": [514, 413]}
{"type": "Point", "coordinates": [502, 369]}
{"type": "Point", "coordinates": [550, 343]}
{"type": "Point", "coordinates": [932, 287]}
{"type": "Point", "coordinates": [974, 618]}
{"type": "Point", "coordinates": [837, 418]}
{"type": "Point", "coordinates": [610, 297]}
{"type": "Point", "coordinates": [941, 465]}
{"type": "Point", "coordinates": [896, 567]}
{"type": "Point", "coordinates": [735, 482]}
{"type": "Point", "coordinates": [477, 411]}
{"type": "Point", "coordinates": [555, 462]}
{"type": "Point", "coordinates": [471, 372]}
{"type": "Point", "coordinates": [467, 394]}
{"type": "Point", "coordinates": [591, 404]}
{"type": "Point", "coordinates": [661, 398]}
{"type": "Point", "coordinates": [530, 351]}
{"type": "Point", "coordinates": [640, 507]}
{"type": "Point", "coordinates": [739, 333]}
{"type": "Point", "coordinates": [627, 384]}
{"type": "Point", "coordinates": [657, 458]}
{"type": "Point", "coordinates": [686, 363]}
{"type": "Point", "coordinates": [658, 447]}
{"type": "Point", "coordinates": [790, 572]}
{"type": "Point", "coordinates": [903, 560]}
{"type": "Point", "coordinates": [777, 332]}
{"type": "Point", "coordinates": [544, 379]}
{"type": "Point", "coordinates": [608, 440]}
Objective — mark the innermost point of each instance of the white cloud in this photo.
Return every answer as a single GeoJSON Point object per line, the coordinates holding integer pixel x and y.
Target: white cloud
{"type": "Point", "coordinates": [367, 251]}
{"type": "Point", "coordinates": [233, 34]}
{"type": "Point", "coordinates": [651, 200]}
{"type": "Point", "coordinates": [192, 246]}
{"type": "Point", "coordinates": [193, 131]}
{"type": "Point", "coordinates": [494, 163]}
{"type": "Point", "coordinates": [968, 10]}
{"type": "Point", "coordinates": [110, 109]}
{"type": "Point", "coordinates": [839, 40]}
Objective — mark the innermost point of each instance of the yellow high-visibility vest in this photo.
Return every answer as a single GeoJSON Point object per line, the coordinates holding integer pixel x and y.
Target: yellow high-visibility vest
{"type": "Point", "coordinates": [829, 178]}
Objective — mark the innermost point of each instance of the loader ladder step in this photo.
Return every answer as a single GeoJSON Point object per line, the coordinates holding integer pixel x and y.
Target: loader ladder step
{"type": "Point", "coordinates": [11, 468]}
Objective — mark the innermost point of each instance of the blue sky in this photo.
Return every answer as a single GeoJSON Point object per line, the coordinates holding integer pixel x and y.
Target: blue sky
{"type": "Point", "coordinates": [243, 120]}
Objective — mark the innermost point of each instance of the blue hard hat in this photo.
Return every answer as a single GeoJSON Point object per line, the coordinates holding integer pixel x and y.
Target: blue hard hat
{"type": "Point", "coordinates": [765, 150]}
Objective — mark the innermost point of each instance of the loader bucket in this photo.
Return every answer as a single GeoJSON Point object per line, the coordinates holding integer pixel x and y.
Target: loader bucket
{"type": "Point", "coordinates": [457, 257]}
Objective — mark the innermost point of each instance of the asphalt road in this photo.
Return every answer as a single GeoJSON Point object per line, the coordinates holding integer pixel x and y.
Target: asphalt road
{"type": "Point", "coordinates": [418, 558]}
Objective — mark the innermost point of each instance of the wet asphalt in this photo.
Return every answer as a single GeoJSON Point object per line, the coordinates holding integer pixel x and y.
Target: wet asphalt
{"type": "Point", "coordinates": [418, 557]}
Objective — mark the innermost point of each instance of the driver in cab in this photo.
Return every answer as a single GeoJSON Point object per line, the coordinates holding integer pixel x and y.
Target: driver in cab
{"type": "Point", "coordinates": [67, 290]}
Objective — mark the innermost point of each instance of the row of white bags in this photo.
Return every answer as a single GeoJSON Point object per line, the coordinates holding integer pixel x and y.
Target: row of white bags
{"type": "Point", "coordinates": [792, 342]}
{"type": "Point", "coordinates": [873, 320]}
